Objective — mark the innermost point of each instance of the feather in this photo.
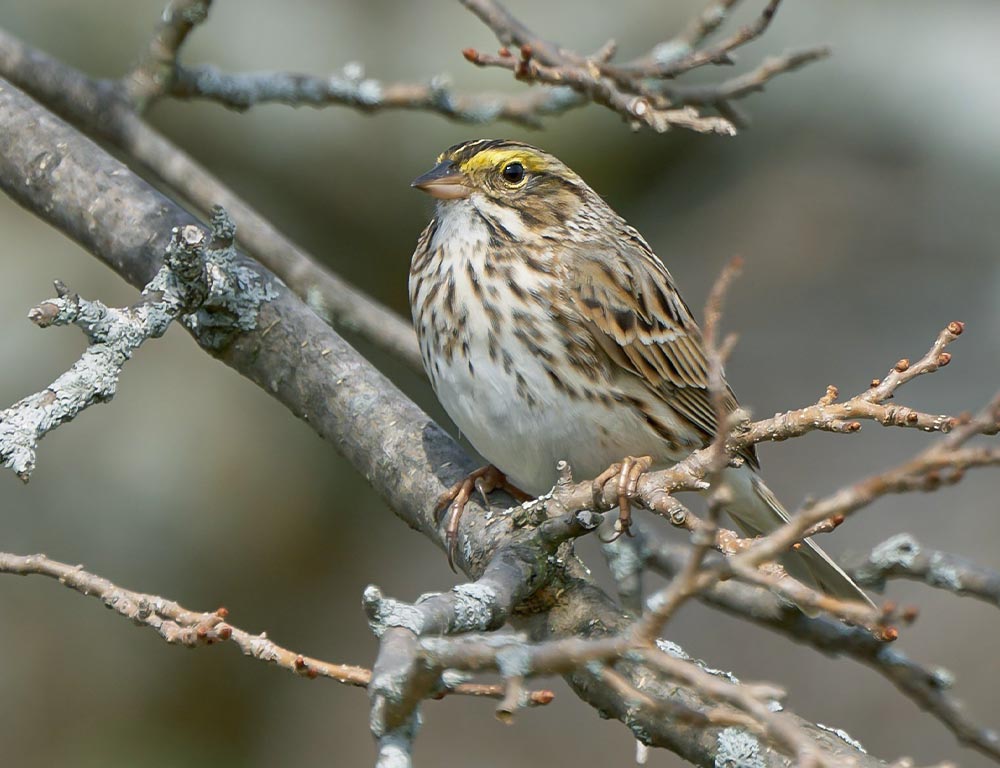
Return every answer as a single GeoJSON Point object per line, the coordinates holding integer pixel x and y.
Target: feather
{"type": "Point", "coordinates": [629, 303]}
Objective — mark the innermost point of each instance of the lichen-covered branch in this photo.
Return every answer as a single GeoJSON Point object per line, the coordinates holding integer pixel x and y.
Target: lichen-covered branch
{"type": "Point", "coordinates": [903, 557]}
{"type": "Point", "coordinates": [200, 283]}
{"type": "Point", "coordinates": [159, 73]}
{"type": "Point", "coordinates": [113, 335]}
{"type": "Point", "coordinates": [351, 88]}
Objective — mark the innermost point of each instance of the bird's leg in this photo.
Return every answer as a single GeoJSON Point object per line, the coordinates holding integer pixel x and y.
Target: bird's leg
{"type": "Point", "coordinates": [485, 480]}
{"type": "Point", "coordinates": [628, 472]}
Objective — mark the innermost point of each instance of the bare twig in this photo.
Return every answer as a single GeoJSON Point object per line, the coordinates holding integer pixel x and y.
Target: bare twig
{"type": "Point", "coordinates": [638, 106]}
{"type": "Point", "coordinates": [627, 88]}
{"type": "Point", "coordinates": [664, 63]}
{"type": "Point", "coordinates": [179, 626]}
{"type": "Point", "coordinates": [664, 604]}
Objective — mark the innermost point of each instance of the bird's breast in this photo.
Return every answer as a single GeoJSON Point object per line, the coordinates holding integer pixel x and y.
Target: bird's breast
{"type": "Point", "coordinates": [513, 370]}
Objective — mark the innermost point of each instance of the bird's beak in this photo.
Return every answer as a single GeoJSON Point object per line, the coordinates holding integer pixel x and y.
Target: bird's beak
{"type": "Point", "coordinates": [444, 181]}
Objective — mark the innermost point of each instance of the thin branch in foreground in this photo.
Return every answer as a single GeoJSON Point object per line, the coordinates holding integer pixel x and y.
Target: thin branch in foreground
{"type": "Point", "coordinates": [665, 603]}
{"type": "Point", "coordinates": [179, 626]}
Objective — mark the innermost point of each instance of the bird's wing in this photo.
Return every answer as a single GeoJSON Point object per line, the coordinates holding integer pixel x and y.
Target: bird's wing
{"type": "Point", "coordinates": [628, 300]}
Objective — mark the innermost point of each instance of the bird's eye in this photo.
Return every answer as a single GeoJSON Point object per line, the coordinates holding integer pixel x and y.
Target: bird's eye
{"type": "Point", "coordinates": [513, 173]}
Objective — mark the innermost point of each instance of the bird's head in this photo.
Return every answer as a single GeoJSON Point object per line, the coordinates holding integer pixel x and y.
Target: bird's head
{"type": "Point", "coordinates": [509, 174]}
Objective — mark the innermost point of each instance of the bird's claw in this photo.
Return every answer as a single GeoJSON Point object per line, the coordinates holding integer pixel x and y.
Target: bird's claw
{"type": "Point", "coordinates": [484, 480]}
{"type": "Point", "coordinates": [628, 472]}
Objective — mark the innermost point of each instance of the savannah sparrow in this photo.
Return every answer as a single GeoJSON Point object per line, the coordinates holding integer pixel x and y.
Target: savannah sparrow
{"type": "Point", "coordinates": [550, 330]}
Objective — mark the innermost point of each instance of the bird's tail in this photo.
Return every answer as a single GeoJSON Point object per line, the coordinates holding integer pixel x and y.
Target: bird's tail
{"type": "Point", "coordinates": [757, 512]}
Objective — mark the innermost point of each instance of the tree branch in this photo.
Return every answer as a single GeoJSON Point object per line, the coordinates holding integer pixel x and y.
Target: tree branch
{"type": "Point", "coordinates": [241, 91]}
{"type": "Point", "coordinates": [180, 287]}
{"type": "Point", "coordinates": [929, 689]}
{"type": "Point", "coordinates": [630, 89]}
{"type": "Point", "coordinates": [100, 109]}
{"type": "Point", "coordinates": [903, 557]}
{"type": "Point", "coordinates": [179, 626]}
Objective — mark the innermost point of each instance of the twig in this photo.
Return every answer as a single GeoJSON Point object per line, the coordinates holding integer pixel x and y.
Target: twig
{"type": "Point", "coordinates": [662, 66]}
{"type": "Point", "coordinates": [700, 28]}
{"type": "Point", "coordinates": [178, 288]}
{"type": "Point", "coordinates": [179, 626]}
{"type": "Point", "coordinates": [351, 88]}
{"type": "Point", "coordinates": [627, 88]}
{"type": "Point", "coordinates": [155, 71]}
{"type": "Point", "coordinates": [902, 556]}
{"type": "Point", "coordinates": [927, 688]}
{"type": "Point", "coordinates": [665, 603]}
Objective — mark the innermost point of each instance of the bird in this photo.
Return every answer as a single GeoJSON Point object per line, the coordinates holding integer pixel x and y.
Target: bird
{"type": "Point", "coordinates": [550, 331]}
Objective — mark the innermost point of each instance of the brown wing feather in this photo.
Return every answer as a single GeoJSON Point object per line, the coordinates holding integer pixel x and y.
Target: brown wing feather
{"type": "Point", "coordinates": [631, 306]}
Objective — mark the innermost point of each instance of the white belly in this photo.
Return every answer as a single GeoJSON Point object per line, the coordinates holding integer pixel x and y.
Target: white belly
{"type": "Point", "coordinates": [526, 442]}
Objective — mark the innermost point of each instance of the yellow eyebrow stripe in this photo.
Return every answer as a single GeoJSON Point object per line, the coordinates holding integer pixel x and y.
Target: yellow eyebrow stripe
{"type": "Point", "coordinates": [497, 158]}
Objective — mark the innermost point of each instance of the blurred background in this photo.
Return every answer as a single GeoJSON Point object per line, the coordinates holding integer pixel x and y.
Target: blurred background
{"type": "Point", "coordinates": [864, 199]}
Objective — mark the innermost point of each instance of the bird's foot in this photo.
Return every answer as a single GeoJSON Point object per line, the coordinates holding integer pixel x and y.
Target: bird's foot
{"type": "Point", "coordinates": [628, 471]}
{"type": "Point", "coordinates": [485, 480]}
